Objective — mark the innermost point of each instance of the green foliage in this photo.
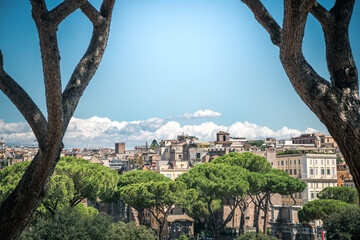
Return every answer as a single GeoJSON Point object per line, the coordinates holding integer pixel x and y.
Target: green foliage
{"type": "Point", "coordinates": [278, 181]}
{"type": "Point", "coordinates": [183, 237]}
{"type": "Point", "coordinates": [82, 223]}
{"type": "Point", "coordinates": [141, 176]}
{"type": "Point", "coordinates": [339, 160]}
{"type": "Point", "coordinates": [91, 181]}
{"type": "Point", "coordinates": [151, 194]}
{"type": "Point", "coordinates": [257, 143]}
{"type": "Point", "coordinates": [68, 224]}
{"type": "Point", "coordinates": [154, 145]}
{"type": "Point", "coordinates": [74, 179]}
{"type": "Point", "coordinates": [290, 152]}
{"type": "Point", "coordinates": [254, 236]}
{"type": "Point", "coordinates": [320, 209]}
{"type": "Point", "coordinates": [195, 206]}
{"type": "Point", "coordinates": [209, 183]}
{"type": "Point", "coordinates": [343, 224]}
{"type": "Point", "coordinates": [247, 160]}
{"type": "Point", "coordinates": [129, 231]}
{"type": "Point", "coordinates": [10, 177]}
{"type": "Point", "coordinates": [346, 194]}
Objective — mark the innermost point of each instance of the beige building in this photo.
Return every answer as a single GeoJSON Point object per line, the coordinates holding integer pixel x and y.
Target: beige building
{"type": "Point", "coordinates": [292, 164]}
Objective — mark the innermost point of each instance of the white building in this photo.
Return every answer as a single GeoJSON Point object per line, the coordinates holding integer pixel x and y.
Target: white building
{"type": "Point", "coordinates": [318, 172]}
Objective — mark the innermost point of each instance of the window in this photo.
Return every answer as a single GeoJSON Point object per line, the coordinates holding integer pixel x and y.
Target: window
{"type": "Point", "coordinates": [247, 218]}
{"type": "Point", "coordinates": [300, 195]}
{"type": "Point", "coordinates": [312, 195]}
{"type": "Point", "coordinates": [322, 162]}
{"type": "Point", "coordinates": [333, 161]}
{"type": "Point", "coordinates": [278, 163]}
{"type": "Point", "coordinates": [310, 161]}
{"type": "Point", "coordinates": [311, 171]}
{"type": "Point", "coordinates": [333, 171]}
{"type": "Point", "coordinates": [328, 171]}
{"type": "Point", "coordinates": [327, 162]}
{"type": "Point", "coordinates": [282, 162]}
{"type": "Point", "coordinates": [286, 170]}
{"type": "Point", "coordinates": [290, 162]}
{"type": "Point", "coordinates": [294, 162]}
{"type": "Point", "coordinates": [294, 171]}
{"type": "Point", "coordinates": [316, 171]}
{"type": "Point", "coordinates": [198, 155]}
{"type": "Point", "coordinates": [290, 171]}
{"type": "Point", "coordinates": [299, 161]}
{"type": "Point", "coordinates": [322, 171]}
{"type": "Point", "coordinates": [286, 162]}
{"type": "Point", "coordinates": [315, 161]}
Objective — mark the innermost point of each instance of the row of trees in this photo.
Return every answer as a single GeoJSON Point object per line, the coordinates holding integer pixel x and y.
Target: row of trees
{"type": "Point", "coordinates": [74, 180]}
{"type": "Point", "coordinates": [233, 179]}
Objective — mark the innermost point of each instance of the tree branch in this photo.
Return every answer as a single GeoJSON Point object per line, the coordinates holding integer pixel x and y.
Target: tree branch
{"type": "Point", "coordinates": [342, 11]}
{"type": "Point", "coordinates": [341, 64]}
{"type": "Point", "coordinates": [106, 8]}
{"type": "Point", "coordinates": [94, 16]}
{"type": "Point", "coordinates": [306, 82]}
{"type": "Point", "coordinates": [265, 19]}
{"type": "Point", "coordinates": [51, 69]}
{"type": "Point", "coordinates": [25, 104]}
{"type": "Point", "coordinates": [88, 65]}
{"type": "Point", "coordinates": [38, 6]}
{"type": "Point", "coordinates": [321, 14]}
{"type": "Point", "coordinates": [64, 9]}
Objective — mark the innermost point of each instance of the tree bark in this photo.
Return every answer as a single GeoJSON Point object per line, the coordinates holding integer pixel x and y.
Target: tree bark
{"type": "Point", "coordinates": [17, 209]}
{"type": "Point", "coordinates": [335, 102]}
{"type": "Point", "coordinates": [242, 220]}
{"type": "Point", "coordinates": [266, 209]}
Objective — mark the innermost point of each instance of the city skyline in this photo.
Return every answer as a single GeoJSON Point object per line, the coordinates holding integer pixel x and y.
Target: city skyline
{"type": "Point", "coordinates": [167, 62]}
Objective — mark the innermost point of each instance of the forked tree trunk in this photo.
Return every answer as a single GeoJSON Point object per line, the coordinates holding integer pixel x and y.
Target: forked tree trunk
{"type": "Point", "coordinates": [17, 209]}
{"type": "Point", "coordinates": [335, 101]}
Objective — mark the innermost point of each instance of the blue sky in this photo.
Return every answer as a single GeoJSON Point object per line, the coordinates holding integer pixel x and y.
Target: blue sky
{"type": "Point", "coordinates": [166, 58]}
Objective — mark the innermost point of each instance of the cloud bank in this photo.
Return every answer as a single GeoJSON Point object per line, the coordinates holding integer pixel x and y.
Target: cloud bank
{"type": "Point", "coordinates": [201, 114]}
{"type": "Point", "coordinates": [103, 132]}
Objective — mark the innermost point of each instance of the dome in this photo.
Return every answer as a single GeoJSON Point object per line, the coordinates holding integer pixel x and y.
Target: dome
{"type": "Point", "coordinates": [2, 141]}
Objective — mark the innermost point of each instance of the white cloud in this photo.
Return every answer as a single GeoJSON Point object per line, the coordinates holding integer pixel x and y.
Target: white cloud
{"type": "Point", "coordinates": [103, 132]}
{"type": "Point", "coordinates": [201, 114]}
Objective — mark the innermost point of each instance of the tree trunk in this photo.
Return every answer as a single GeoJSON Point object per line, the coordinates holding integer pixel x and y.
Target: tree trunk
{"type": "Point", "coordinates": [14, 211]}
{"type": "Point", "coordinates": [17, 209]}
{"type": "Point", "coordinates": [242, 220]}
{"type": "Point", "coordinates": [265, 214]}
{"type": "Point", "coordinates": [216, 234]}
{"type": "Point", "coordinates": [141, 216]}
{"type": "Point", "coordinates": [335, 102]}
